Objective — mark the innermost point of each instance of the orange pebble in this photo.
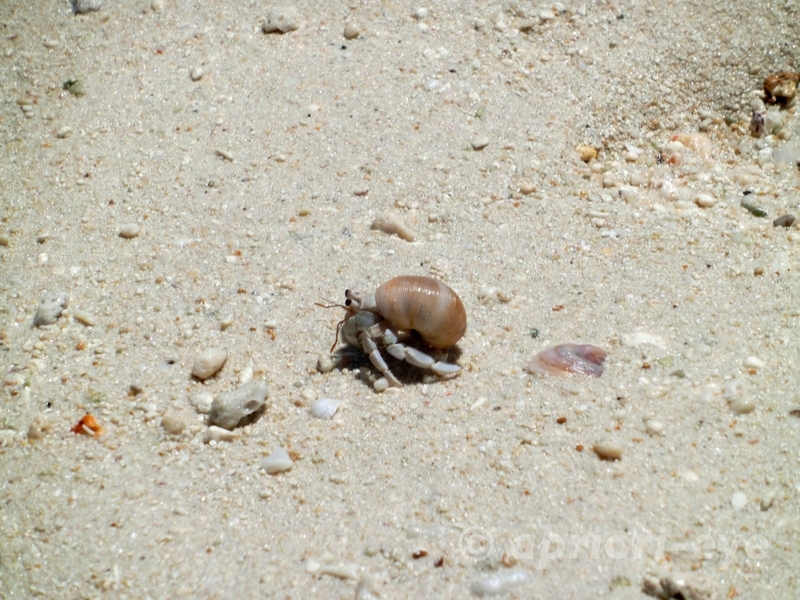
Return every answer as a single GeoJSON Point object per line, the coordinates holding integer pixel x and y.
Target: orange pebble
{"type": "Point", "coordinates": [87, 426]}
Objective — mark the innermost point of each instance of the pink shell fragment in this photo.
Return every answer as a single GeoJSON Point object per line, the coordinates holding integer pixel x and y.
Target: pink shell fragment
{"type": "Point", "coordinates": [569, 358]}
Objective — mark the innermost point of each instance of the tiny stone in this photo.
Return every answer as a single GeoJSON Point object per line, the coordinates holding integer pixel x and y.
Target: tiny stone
{"type": "Point", "coordinates": [202, 402]}
{"type": "Point", "coordinates": [420, 13]}
{"type": "Point", "coordinates": [50, 308]}
{"type": "Point", "coordinates": [742, 406]}
{"type": "Point", "coordinates": [129, 231]}
{"type": "Point", "coordinates": [229, 409]}
{"type": "Point", "coordinates": [224, 154]}
{"type": "Point", "coordinates": [64, 132]}
{"type": "Point", "coordinates": [586, 153]}
{"type": "Point", "coordinates": [209, 362]}
{"type": "Point", "coordinates": [705, 200]}
{"type": "Point", "coordinates": [753, 362]}
{"type": "Point", "coordinates": [784, 221]}
{"type": "Point", "coordinates": [4, 240]}
{"type": "Point", "coordinates": [351, 31]}
{"type": "Point", "coordinates": [527, 188]}
{"type": "Point", "coordinates": [480, 142]}
{"type": "Point", "coordinates": [277, 462]}
{"type": "Point", "coordinates": [39, 427]}
{"type": "Point", "coordinates": [739, 500]}
{"type": "Point", "coordinates": [157, 5]}
{"type": "Point", "coordinates": [280, 20]}
{"type": "Point", "coordinates": [381, 384]}
{"type": "Point", "coordinates": [608, 450]}
{"type": "Point", "coordinates": [767, 500]}
{"type": "Point", "coordinates": [81, 7]}
{"type": "Point", "coordinates": [654, 427]}
{"type": "Point", "coordinates": [173, 424]}
{"type": "Point", "coordinates": [197, 73]}
{"type": "Point", "coordinates": [324, 364]}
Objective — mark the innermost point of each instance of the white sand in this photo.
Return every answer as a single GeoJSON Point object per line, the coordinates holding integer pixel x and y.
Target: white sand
{"type": "Point", "coordinates": [475, 471]}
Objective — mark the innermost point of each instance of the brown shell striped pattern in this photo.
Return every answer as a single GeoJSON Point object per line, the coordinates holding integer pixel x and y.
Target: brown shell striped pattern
{"type": "Point", "coordinates": [425, 305]}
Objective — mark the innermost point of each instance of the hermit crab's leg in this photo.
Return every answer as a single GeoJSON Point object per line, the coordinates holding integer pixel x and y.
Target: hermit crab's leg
{"type": "Point", "coordinates": [416, 357]}
{"type": "Point", "coordinates": [375, 357]}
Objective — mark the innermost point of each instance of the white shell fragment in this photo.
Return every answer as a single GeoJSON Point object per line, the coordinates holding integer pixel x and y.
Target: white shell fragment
{"type": "Point", "coordinates": [501, 583]}
{"type": "Point", "coordinates": [753, 362]}
{"type": "Point", "coordinates": [277, 462]}
{"type": "Point", "coordinates": [129, 231]}
{"type": "Point", "coordinates": [392, 225]}
{"type": "Point", "coordinates": [584, 359]}
{"type": "Point", "coordinates": [280, 20]}
{"type": "Point", "coordinates": [608, 450]}
{"type": "Point", "coordinates": [218, 434]}
{"type": "Point", "coordinates": [325, 408]}
{"type": "Point", "coordinates": [229, 408]}
{"type": "Point", "coordinates": [50, 308]}
{"type": "Point", "coordinates": [640, 338]}
{"type": "Point", "coordinates": [209, 362]}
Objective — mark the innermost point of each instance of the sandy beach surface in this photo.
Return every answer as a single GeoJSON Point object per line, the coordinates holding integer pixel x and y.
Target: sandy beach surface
{"type": "Point", "coordinates": [179, 180]}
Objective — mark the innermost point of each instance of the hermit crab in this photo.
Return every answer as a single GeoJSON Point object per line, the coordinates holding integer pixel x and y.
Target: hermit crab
{"type": "Point", "coordinates": [403, 309]}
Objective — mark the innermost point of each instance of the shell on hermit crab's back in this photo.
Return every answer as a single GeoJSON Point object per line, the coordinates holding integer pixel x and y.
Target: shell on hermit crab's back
{"type": "Point", "coordinates": [584, 359]}
{"type": "Point", "coordinates": [424, 305]}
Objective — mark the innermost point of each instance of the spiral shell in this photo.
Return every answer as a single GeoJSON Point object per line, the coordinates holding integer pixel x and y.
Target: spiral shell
{"type": "Point", "coordinates": [424, 305]}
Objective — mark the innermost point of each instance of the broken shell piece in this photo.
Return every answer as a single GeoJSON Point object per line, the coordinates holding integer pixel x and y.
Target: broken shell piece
{"type": "Point", "coordinates": [781, 87]}
{"type": "Point", "coordinates": [88, 426]}
{"type": "Point", "coordinates": [391, 225]}
{"type": "Point", "coordinates": [277, 462]}
{"type": "Point", "coordinates": [209, 362]}
{"type": "Point", "coordinates": [229, 409]}
{"type": "Point", "coordinates": [50, 308]}
{"type": "Point", "coordinates": [569, 358]}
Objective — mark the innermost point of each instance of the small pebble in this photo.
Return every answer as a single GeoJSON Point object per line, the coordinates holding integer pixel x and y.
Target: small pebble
{"type": "Point", "coordinates": [229, 409]}
{"type": "Point", "coordinates": [381, 384]}
{"type": "Point", "coordinates": [480, 142]}
{"type": "Point", "coordinates": [209, 362]}
{"type": "Point", "coordinates": [739, 500]}
{"type": "Point", "coordinates": [501, 583]}
{"type": "Point", "coordinates": [277, 462]}
{"type": "Point", "coordinates": [784, 221]}
{"type": "Point", "coordinates": [351, 31]}
{"type": "Point", "coordinates": [586, 153]}
{"type": "Point", "coordinates": [742, 406]}
{"type": "Point", "coordinates": [202, 402]}
{"type": "Point", "coordinates": [129, 231]}
{"type": "Point", "coordinates": [81, 7]}
{"type": "Point", "coordinates": [705, 200]}
{"type": "Point", "coordinates": [173, 423]}
{"type": "Point", "coordinates": [324, 363]}
{"type": "Point", "coordinates": [39, 427]}
{"type": "Point", "coordinates": [608, 450]}
{"type": "Point", "coordinates": [753, 362]}
{"type": "Point", "coordinates": [420, 13]}
{"type": "Point", "coordinates": [4, 240]}
{"type": "Point", "coordinates": [196, 73]}
{"type": "Point", "coordinates": [64, 132]}
{"type": "Point", "coordinates": [280, 20]}
{"type": "Point", "coordinates": [157, 5]}
{"type": "Point", "coordinates": [767, 500]}
{"type": "Point", "coordinates": [50, 308]}
{"type": "Point", "coordinates": [654, 427]}
{"type": "Point", "coordinates": [218, 434]}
